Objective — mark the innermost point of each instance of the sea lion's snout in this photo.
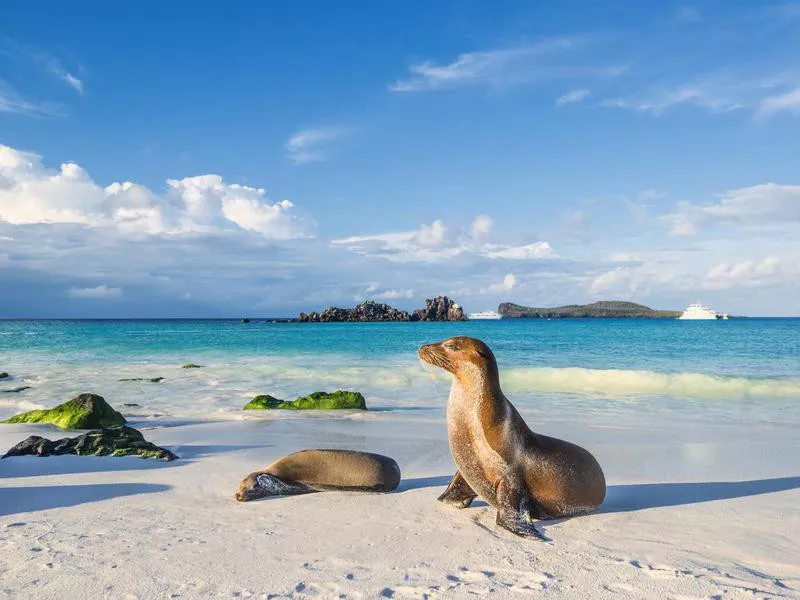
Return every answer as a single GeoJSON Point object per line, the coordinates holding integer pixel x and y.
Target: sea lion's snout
{"type": "Point", "coordinates": [436, 355]}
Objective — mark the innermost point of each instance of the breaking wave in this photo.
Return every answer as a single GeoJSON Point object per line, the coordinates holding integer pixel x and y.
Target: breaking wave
{"type": "Point", "coordinates": [613, 382]}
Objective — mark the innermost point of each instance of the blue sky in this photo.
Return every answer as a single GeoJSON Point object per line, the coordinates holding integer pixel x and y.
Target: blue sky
{"type": "Point", "coordinates": [268, 158]}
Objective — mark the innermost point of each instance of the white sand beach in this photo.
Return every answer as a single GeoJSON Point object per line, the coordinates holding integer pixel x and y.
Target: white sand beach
{"type": "Point", "coordinates": [694, 510]}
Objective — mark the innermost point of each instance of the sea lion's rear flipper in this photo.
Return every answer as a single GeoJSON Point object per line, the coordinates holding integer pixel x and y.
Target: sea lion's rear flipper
{"type": "Point", "coordinates": [458, 494]}
{"type": "Point", "coordinates": [515, 508]}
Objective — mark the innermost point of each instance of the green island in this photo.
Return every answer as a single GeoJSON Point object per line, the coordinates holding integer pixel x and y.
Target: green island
{"type": "Point", "coordinates": [608, 309]}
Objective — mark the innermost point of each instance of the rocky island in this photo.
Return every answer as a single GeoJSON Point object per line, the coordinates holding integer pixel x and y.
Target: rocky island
{"type": "Point", "coordinates": [608, 309]}
{"type": "Point", "coordinates": [440, 308]}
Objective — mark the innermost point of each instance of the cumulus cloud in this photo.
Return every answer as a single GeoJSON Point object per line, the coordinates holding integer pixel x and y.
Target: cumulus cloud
{"type": "Point", "coordinates": [758, 205]}
{"type": "Point", "coordinates": [395, 294]}
{"type": "Point", "coordinates": [508, 283]}
{"type": "Point", "coordinates": [312, 145]}
{"type": "Point", "coordinates": [101, 291]}
{"type": "Point", "coordinates": [500, 67]}
{"type": "Point", "coordinates": [572, 97]}
{"type": "Point", "coordinates": [437, 242]}
{"type": "Point", "coordinates": [481, 226]}
{"type": "Point", "coordinates": [30, 193]}
{"type": "Point", "coordinates": [745, 273]}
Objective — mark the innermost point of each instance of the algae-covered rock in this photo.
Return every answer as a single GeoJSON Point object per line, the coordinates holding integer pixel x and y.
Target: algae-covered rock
{"type": "Point", "coordinates": [339, 399]}
{"type": "Point", "coordinates": [191, 366]}
{"type": "Point", "coordinates": [3, 375]}
{"type": "Point", "coordinates": [118, 440]}
{"type": "Point", "coordinates": [87, 411]}
{"type": "Point", "coordinates": [329, 401]}
{"type": "Point", "coordinates": [263, 402]}
{"type": "Point", "coordinates": [150, 379]}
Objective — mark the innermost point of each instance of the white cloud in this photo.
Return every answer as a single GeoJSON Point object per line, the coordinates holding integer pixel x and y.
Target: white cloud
{"type": "Point", "coordinates": [789, 101]}
{"type": "Point", "coordinates": [534, 251]}
{"type": "Point", "coordinates": [500, 67]}
{"type": "Point", "coordinates": [508, 283]}
{"type": "Point", "coordinates": [30, 193]}
{"type": "Point", "coordinates": [436, 243]}
{"type": "Point", "coordinates": [395, 294]}
{"type": "Point", "coordinates": [373, 290]}
{"type": "Point", "coordinates": [758, 205]}
{"type": "Point", "coordinates": [657, 102]}
{"type": "Point", "coordinates": [312, 145]}
{"type": "Point", "coordinates": [101, 291]}
{"type": "Point", "coordinates": [13, 103]}
{"type": "Point", "coordinates": [481, 226]}
{"type": "Point", "coordinates": [745, 273]}
{"type": "Point", "coordinates": [572, 97]}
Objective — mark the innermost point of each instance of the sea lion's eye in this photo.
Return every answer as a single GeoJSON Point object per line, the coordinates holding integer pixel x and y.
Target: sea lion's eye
{"type": "Point", "coordinates": [450, 346]}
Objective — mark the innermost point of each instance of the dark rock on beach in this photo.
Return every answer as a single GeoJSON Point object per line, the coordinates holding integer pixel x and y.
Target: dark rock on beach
{"type": "Point", "coordinates": [148, 379]}
{"type": "Point", "coordinates": [17, 390]}
{"type": "Point", "coordinates": [440, 308]}
{"type": "Point", "coordinates": [112, 441]}
{"type": "Point", "coordinates": [339, 399]}
{"type": "Point", "coordinates": [87, 411]}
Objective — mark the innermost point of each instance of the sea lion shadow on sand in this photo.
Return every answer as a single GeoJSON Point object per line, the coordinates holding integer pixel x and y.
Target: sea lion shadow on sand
{"type": "Point", "coordinates": [641, 496]}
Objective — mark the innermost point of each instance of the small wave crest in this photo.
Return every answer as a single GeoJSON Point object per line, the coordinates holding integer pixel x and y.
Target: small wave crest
{"type": "Point", "coordinates": [614, 382]}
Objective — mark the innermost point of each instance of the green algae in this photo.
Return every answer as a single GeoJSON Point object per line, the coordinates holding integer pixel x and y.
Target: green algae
{"type": "Point", "coordinates": [87, 411]}
{"type": "Point", "coordinates": [340, 399]}
{"type": "Point", "coordinates": [191, 366]}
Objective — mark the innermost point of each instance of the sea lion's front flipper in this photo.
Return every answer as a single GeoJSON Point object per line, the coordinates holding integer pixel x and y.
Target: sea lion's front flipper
{"type": "Point", "coordinates": [515, 508]}
{"type": "Point", "coordinates": [458, 494]}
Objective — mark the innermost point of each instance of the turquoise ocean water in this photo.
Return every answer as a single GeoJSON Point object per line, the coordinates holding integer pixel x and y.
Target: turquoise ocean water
{"type": "Point", "coordinates": [743, 366]}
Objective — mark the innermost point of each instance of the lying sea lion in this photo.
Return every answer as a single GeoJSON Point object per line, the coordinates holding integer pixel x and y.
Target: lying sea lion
{"type": "Point", "coordinates": [321, 470]}
{"type": "Point", "coordinates": [523, 474]}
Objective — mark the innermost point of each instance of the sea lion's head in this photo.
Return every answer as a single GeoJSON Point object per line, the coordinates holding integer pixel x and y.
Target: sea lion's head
{"type": "Point", "coordinates": [250, 489]}
{"type": "Point", "coordinates": [461, 356]}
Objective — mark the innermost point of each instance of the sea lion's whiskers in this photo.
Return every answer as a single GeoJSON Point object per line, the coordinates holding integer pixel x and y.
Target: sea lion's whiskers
{"type": "Point", "coordinates": [430, 371]}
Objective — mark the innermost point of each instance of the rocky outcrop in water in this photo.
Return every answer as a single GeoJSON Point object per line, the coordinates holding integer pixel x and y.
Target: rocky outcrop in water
{"type": "Point", "coordinates": [16, 390]}
{"type": "Point", "coordinates": [87, 411]}
{"type": "Point", "coordinates": [339, 399]}
{"type": "Point", "coordinates": [148, 379]}
{"type": "Point", "coordinates": [602, 309]}
{"type": "Point", "coordinates": [440, 308]}
{"type": "Point", "coordinates": [191, 366]}
{"type": "Point", "coordinates": [364, 312]}
{"type": "Point", "coordinates": [112, 441]}
{"type": "Point", "coordinates": [3, 375]}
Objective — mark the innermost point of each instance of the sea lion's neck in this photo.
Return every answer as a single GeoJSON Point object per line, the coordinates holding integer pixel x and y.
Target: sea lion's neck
{"type": "Point", "coordinates": [471, 383]}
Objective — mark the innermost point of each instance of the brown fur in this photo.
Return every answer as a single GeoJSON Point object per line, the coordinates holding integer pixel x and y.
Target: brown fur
{"type": "Point", "coordinates": [321, 470]}
{"type": "Point", "coordinates": [523, 474]}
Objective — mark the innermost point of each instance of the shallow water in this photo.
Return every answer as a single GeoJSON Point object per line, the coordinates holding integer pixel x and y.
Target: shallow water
{"type": "Point", "coordinates": [607, 369]}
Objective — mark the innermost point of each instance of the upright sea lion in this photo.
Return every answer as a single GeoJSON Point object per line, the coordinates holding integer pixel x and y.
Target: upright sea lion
{"type": "Point", "coordinates": [321, 470]}
{"type": "Point", "coordinates": [523, 474]}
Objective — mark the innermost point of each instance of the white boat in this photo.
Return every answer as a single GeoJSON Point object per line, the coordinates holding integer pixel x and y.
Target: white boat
{"type": "Point", "coordinates": [487, 315]}
{"type": "Point", "coordinates": [699, 312]}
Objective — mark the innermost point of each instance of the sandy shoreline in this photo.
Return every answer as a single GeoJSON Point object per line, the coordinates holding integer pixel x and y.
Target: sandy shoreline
{"type": "Point", "coordinates": [714, 512]}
